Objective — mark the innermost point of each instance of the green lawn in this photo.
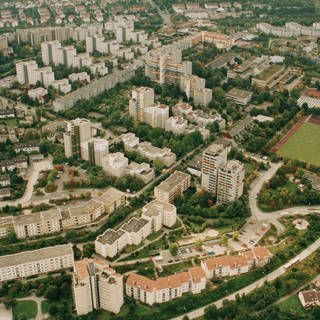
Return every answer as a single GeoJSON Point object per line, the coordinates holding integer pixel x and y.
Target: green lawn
{"type": "Point", "coordinates": [292, 305]}
{"type": "Point", "coordinates": [304, 145]}
{"type": "Point", "coordinates": [26, 307]}
{"type": "Point", "coordinates": [45, 306]}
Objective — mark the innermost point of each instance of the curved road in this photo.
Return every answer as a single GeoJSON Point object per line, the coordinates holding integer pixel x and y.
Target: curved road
{"type": "Point", "coordinates": [259, 283]}
{"type": "Point", "coordinates": [272, 217]}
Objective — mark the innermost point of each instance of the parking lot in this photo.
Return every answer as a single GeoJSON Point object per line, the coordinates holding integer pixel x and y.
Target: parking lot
{"type": "Point", "coordinates": [252, 232]}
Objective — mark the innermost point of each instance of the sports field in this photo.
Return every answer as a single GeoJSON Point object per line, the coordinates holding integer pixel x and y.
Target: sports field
{"type": "Point", "coordinates": [304, 144]}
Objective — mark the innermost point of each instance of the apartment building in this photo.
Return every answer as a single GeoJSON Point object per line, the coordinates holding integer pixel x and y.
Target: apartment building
{"type": "Point", "coordinates": [36, 36]}
{"type": "Point", "coordinates": [94, 150]}
{"type": "Point", "coordinates": [165, 289]}
{"type": "Point", "coordinates": [165, 155]}
{"type": "Point", "coordinates": [78, 131]}
{"type": "Point", "coordinates": [156, 115]}
{"type": "Point", "coordinates": [38, 223]}
{"type": "Point", "coordinates": [176, 124]}
{"type": "Point", "coordinates": [96, 286]}
{"type": "Point", "coordinates": [160, 214]}
{"type": "Point", "coordinates": [143, 171]}
{"type": "Point", "coordinates": [26, 72]}
{"type": "Point", "coordinates": [226, 266]}
{"type": "Point", "coordinates": [62, 85]}
{"type": "Point", "coordinates": [36, 262]}
{"type": "Point", "coordinates": [6, 226]}
{"type": "Point", "coordinates": [38, 94]}
{"type": "Point", "coordinates": [74, 217]}
{"type": "Point", "coordinates": [165, 65]}
{"type": "Point", "coordinates": [137, 230]}
{"type": "Point", "coordinates": [130, 141]}
{"type": "Point", "coordinates": [154, 215]}
{"type": "Point", "coordinates": [59, 219]}
{"type": "Point", "coordinates": [4, 180]}
{"type": "Point", "coordinates": [194, 87]}
{"type": "Point", "coordinates": [99, 44]}
{"type": "Point", "coordinates": [115, 164]}
{"type": "Point", "coordinates": [182, 108]}
{"type": "Point", "coordinates": [27, 147]}
{"type": "Point", "coordinates": [230, 181]}
{"type": "Point", "coordinates": [141, 98]}
{"type": "Point", "coordinates": [20, 163]}
{"type": "Point", "coordinates": [79, 77]}
{"type": "Point", "coordinates": [212, 159]}
{"type": "Point", "coordinates": [110, 243]}
{"type": "Point", "coordinates": [174, 186]}
{"type": "Point", "coordinates": [113, 200]}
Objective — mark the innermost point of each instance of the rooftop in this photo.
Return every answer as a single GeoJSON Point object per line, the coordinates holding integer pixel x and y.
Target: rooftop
{"type": "Point", "coordinates": [171, 182]}
{"type": "Point", "coordinates": [110, 236]}
{"type": "Point", "coordinates": [35, 255]}
{"type": "Point", "coordinates": [134, 225]}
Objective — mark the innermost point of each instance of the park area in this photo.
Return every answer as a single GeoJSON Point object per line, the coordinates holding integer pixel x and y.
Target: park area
{"type": "Point", "coordinates": [303, 144]}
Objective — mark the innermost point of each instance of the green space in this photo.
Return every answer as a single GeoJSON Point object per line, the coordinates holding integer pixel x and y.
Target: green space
{"type": "Point", "coordinates": [27, 308]}
{"type": "Point", "coordinates": [304, 145]}
{"type": "Point", "coordinates": [292, 305]}
{"type": "Point", "coordinates": [45, 306]}
{"type": "Point", "coordinates": [174, 268]}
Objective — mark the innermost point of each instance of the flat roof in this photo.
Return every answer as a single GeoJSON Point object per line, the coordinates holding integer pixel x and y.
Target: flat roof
{"type": "Point", "coordinates": [171, 182]}
{"type": "Point", "coordinates": [111, 195]}
{"type": "Point", "coordinates": [134, 225]}
{"type": "Point", "coordinates": [35, 255]}
{"type": "Point", "coordinates": [110, 236]}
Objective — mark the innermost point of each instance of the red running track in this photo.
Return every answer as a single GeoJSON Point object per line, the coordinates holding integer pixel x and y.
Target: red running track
{"type": "Point", "coordinates": [289, 134]}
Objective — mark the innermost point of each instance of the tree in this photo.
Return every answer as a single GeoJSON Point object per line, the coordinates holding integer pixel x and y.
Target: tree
{"type": "Point", "coordinates": [236, 235]}
{"type": "Point", "coordinates": [9, 302]}
{"type": "Point", "coordinates": [88, 250]}
{"type": "Point", "coordinates": [173, 248]}
{"type": "Point", "coordinates": [199, 244]}
{"type": "Point", "coordinates": [224, 240]}
{"type": "Point", "coordinates": [52, 293]}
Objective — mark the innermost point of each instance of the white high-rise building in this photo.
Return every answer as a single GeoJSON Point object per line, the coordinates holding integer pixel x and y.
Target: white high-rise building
{"type": "Point", "coordinates": [78, 131]}
{"type": "Point", "coordinates": [26, 72]}
{"type": "Point", "coordinates": [115, 164]}
{"type": "Point", "coordinates": [94, 150]}
{"type": "Point", "coordinates": [96, 286]}
{"type": "Point", "coordinates": [212, 159]}
{"type": "Point", "coordinates": [50, 51]}
{"type": "Point", "coordinates": [141, 98]}
{"type": "Point", "coordinates": [230, 181]}
{"type": "Point", "coordinates": [156, 115]}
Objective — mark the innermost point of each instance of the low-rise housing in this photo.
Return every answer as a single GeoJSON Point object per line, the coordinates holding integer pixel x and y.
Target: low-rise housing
{"type": "Point", "coordinates": [309, 298]}
{"type": "Point", "coordinates": [27, 147]}
{"type": "Point", "coordinates": [165, 289]}
{"type": "Point", "coordinates": [165, 155]}
{"type": "Point", "coordinates": [36, 262]}
{"type": "Point", "coordinates": [226, 266]}
{"type": "Point", "coordinates": [38, 94]}
{"type": "Point", "coordinates": [143, 171]}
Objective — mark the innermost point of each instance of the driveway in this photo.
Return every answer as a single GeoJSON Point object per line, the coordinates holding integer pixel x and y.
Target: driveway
{"type": "Point", "coordinates": [34, 172]}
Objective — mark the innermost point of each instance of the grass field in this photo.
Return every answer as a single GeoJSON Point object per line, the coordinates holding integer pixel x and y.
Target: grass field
{"type": "Point", "coordinates": [304, 144]}
{"type": "Point", "coordinates": [292, 305]}
{"type": "Point", "coordinates": [27, 307]}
